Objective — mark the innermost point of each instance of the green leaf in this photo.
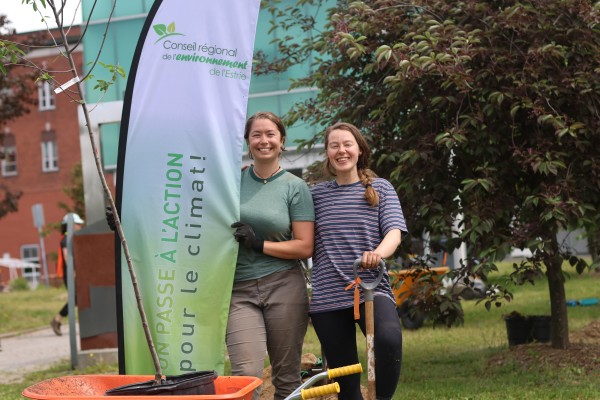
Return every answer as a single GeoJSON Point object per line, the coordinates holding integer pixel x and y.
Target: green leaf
{"type": "Point", "coordinates": [513, 111]}
{"type": "Point", "coordinates": [160, 29]}
{"type": "Point", "coordinates": [383, 52]}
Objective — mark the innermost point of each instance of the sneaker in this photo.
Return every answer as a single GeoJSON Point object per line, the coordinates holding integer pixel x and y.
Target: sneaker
{"type": "Point", "coordinates": [56, 327]}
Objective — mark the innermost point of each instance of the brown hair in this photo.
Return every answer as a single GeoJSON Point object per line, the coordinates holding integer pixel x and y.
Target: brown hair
{"type": "Point", "coordinates": [365, 174]}
{"type": "Point", "coordinates": [265, 115]}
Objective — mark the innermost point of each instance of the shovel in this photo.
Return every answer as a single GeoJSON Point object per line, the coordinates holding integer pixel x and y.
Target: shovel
{"type": "Point", "coordinates": [368, 288]}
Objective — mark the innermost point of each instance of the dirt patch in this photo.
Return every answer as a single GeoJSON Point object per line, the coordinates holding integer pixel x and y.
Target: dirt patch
{"type": "Point", "coordinates": [584, 352]}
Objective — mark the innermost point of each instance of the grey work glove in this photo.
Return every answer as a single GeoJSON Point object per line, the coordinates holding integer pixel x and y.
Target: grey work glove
{"type": "Point", "coordinates": [245, 235]}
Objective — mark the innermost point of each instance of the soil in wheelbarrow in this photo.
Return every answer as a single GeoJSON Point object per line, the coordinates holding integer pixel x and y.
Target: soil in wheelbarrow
{"type": "Point", "coordinates": [84, 387]}
{"type": "Point", "coordinates": [308, 361]}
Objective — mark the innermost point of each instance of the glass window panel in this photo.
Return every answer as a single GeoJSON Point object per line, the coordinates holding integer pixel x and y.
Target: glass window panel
{"type": "Point", "coordinates": [49, 156]}
{"type": "Point", "coordinates": [9, 152]}
{"type": "Point", "coordinates": [29, 253]}
{"type": "Point", "coordinates": [102, 9]}
{"type": "Point", "coordinates": [109, 145]}
{"type": "Point", "coordinates": [45, 96]}
{"type": "Point", "coordinates": [116, 50]}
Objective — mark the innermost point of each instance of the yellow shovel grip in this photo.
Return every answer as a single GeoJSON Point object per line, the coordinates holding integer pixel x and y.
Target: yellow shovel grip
{"type": "Point", "coordinates": [317, 391]}
{"type": "Point", "coordinates": [343, 371]}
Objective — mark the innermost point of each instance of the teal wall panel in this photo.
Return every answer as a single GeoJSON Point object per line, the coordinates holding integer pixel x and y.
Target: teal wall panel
{"type": "Point", "coordinates": [109, 144]}
{"type": "Point", "coordinates": [267, 92]}
{"type": "Point", "coordinates": [102, 9]}
{"type": "Point", "coordinates": [117, 49]}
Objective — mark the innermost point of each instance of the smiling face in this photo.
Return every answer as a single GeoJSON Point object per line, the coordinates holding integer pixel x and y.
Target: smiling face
{"type": "Point", "coordinates": [264, 140]}
{"type": "Point", "coordinates": [343, 153]}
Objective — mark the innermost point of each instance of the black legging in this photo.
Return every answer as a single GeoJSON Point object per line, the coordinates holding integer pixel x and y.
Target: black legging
{"type": "Point", "coordinates": [337, 334]}
{"type": "Point", "coordinates": [64, 311]}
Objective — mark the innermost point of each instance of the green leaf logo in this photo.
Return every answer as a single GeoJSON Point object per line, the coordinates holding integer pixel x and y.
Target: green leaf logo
{"type": "Point", "coordinates": [160, 29]}
{"type": "Point", "coordinates": [164, 31]}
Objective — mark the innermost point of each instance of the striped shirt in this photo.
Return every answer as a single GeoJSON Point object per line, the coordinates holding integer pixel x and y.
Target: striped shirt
{"type": "Point", "coordinates": [345, 227]}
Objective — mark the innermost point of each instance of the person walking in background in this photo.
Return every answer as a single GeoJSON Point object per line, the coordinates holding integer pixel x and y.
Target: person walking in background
{"type": "Point", "coordinates": [357, 215]}
{"type": "Point", "coordinates": [269, 302]}
{"type": "Point", "coordinates": [61, 269]}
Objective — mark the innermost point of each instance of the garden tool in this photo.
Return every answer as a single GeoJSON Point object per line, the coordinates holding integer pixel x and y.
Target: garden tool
{"type": "Point", "coordinates": [305, 391]}
{"type": "Point", "coordinates": [368, 288]}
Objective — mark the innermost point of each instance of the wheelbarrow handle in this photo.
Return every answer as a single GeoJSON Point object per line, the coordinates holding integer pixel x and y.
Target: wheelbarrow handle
{"type": "Point", "coordinates": [343, 371]}
{"type": "Point", "coordinates": [369, 285]}
{"type": "Point", "coordinates": [332, 388]}
{"type": "Point", "coordinates": [329, 374]}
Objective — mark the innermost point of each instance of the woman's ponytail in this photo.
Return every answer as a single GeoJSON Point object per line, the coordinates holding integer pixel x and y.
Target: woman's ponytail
{"type": "Point", "coordinates": [366, 177]}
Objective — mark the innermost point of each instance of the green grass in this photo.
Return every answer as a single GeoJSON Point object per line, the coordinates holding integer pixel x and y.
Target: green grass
{"type": "Point", "coordinates": [453, 363]}
{"type": "Point", "coordinates": [438, 363]}
{"type": "Point", "coordinates": [29, 309]}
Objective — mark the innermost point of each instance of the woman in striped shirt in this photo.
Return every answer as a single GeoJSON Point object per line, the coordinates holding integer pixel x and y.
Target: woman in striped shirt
{"type": "Point", "coordinates": [356, 215]}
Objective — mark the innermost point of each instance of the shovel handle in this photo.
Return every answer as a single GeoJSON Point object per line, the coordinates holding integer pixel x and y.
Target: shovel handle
{"type": "Point", "coordinates": [332, 388]}
{"type": "Point", "coordinates": [343, 371]}
{"type": "Point", "coordinates": [369, 285]}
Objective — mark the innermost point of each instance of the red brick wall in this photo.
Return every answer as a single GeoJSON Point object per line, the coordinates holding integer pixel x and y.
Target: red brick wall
{"type": "Point", "coordinates": [46, 188]}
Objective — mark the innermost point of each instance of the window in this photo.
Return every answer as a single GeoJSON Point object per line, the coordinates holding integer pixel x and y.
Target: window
{"type": "Point", "coordinates": [45, 96]}
{"type": "Point", "coordinates": [30, 253]}
{"type": "Point", "coordinates": [109, 145]}
{"type": "Point", "coordinates": [49, 152]}
{"type": "Point", "coordinates": [8, 154]}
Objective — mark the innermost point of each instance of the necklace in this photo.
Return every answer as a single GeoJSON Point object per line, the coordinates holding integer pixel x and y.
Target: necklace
{"type": "Point", "coordinates": [265, 180]}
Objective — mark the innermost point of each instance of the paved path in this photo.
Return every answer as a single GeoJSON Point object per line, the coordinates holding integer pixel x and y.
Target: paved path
{"type": "Point", "coordinates": [32, 351]}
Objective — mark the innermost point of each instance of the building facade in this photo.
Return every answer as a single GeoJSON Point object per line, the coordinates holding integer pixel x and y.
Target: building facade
{"type": "Point", "coordinates": [267, 92]}
{"type": "Point", "coordinates": [52, 139]}
{"type": "Point", "coordinates": [42, 150]}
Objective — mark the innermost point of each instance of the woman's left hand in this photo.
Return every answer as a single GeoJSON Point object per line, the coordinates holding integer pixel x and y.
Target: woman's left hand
{"type": "Point", "coordinates": [370, 260]}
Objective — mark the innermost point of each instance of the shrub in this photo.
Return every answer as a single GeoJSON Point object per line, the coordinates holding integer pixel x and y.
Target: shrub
{"type": "Point", "coordinates": [19, 284]}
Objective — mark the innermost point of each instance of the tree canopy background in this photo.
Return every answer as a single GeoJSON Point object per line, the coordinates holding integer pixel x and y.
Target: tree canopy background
{"type": "Point", "coordinates": [481, 112]}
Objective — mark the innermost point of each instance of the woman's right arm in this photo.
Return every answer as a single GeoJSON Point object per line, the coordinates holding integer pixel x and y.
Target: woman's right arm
{"type": "Point", "coordinates": [301, 246]}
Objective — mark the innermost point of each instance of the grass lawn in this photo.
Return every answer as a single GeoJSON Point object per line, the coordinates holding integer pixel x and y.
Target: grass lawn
{"type": "Point", "coordinates": [454, 363]}
{"type": "Point", "coordinates": [31, 309]}
{"type": "Point", "coordinates": [472, 361]}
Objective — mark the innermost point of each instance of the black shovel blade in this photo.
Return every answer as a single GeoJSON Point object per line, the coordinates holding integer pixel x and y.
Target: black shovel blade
{"type": "Point", "coordinates": [193, 383]}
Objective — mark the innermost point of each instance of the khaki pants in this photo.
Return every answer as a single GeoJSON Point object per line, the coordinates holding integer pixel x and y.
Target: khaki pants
{"type": "Point", "coordinates": [269, 315]}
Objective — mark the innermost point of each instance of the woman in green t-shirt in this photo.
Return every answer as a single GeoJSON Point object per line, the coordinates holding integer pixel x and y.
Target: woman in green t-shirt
{"type": "Point", "coordinates": [269, 303]}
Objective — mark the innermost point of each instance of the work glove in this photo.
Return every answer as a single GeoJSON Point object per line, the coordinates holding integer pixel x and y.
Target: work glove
{"type": "Point", "coordinates": [110, 218]}
{"type": "Point", "coordinates": [245, 235]}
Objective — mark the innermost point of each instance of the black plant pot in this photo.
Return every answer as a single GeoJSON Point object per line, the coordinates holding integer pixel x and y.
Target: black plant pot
{"type": "Point", "coordinates": [523, 329]}
{"type": "Point", "coordinates": [518, 330]}
{"type": "Point", "coordinates": [193, 383]}
{"type": "Point", "coordinates": [540, 328]}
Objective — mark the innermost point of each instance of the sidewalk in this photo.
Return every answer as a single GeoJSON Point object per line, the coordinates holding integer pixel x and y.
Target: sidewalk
{"type": "Point", "coordinates": [32, 351]}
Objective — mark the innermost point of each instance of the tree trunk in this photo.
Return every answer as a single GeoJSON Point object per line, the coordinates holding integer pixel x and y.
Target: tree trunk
{"type": "Point", "coordinates": [558, 307]}
{"type": "Point", "coordinates": [594, 244]}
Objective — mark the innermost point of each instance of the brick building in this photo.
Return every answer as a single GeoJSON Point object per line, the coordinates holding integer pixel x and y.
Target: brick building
{"type": "Point", "coordinates": [42, 148]}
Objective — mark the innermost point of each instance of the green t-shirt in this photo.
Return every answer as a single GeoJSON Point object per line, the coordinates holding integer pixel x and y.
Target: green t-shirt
{"type": "Point", "coordinates": [269, 208]}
